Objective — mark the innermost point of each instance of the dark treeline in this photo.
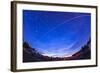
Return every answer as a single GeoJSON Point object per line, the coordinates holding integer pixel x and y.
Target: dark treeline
{"type": "Point", "coordinates": [32, 55]}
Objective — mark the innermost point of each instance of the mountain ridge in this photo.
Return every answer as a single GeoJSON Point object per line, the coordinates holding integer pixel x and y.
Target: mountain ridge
{"type": "Point", "coordinates": [32, 55]}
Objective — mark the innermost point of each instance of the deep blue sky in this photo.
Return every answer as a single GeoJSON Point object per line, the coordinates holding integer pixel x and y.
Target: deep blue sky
{"type": "Point", "coordinates": [56, 33]}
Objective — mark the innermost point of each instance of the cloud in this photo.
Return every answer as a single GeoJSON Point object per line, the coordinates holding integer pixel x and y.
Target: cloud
{"type": "Point", "coordinates": [60, 52]}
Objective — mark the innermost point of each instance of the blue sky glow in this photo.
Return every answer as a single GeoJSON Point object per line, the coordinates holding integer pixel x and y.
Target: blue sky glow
{"type": "Point", "coordinates": [56, 33]}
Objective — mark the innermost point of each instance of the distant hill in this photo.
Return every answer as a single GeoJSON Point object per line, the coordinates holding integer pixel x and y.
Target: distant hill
{"type": "Point", "coordinates": [32, 55]}
{"type": "Point", "coordinates": [84, 53]}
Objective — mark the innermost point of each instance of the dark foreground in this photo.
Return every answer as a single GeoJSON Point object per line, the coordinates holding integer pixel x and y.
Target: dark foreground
{"type": "Point", "coordinates": [32, 55]}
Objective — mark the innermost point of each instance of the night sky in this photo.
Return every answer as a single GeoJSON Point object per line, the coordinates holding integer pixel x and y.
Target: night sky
{"type": "Point", "coordinates": [56, 34]}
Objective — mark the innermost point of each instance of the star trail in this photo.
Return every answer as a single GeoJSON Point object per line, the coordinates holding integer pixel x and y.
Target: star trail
{"type": "Point", "coordinates": [54, 33]}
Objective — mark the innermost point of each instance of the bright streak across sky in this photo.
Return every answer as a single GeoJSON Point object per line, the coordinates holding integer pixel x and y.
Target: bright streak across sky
{"type": "Point", "coordinates": [56, 33]}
